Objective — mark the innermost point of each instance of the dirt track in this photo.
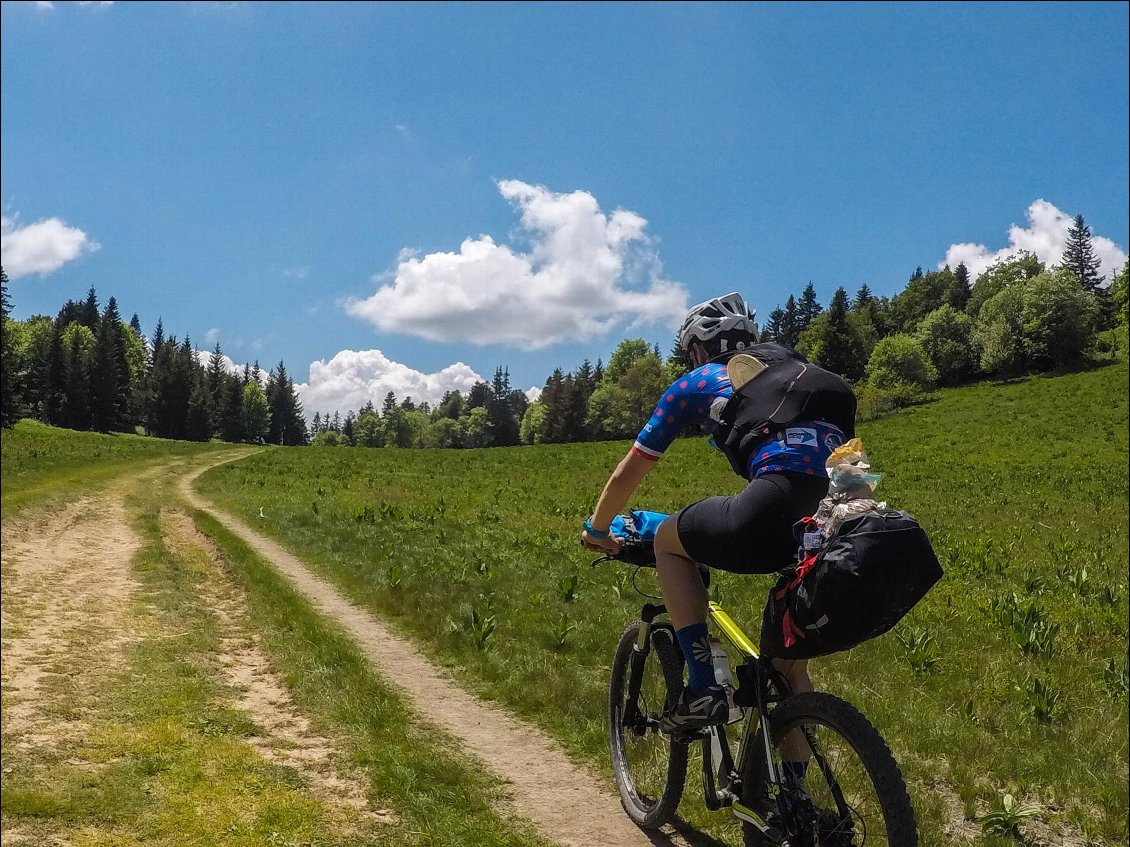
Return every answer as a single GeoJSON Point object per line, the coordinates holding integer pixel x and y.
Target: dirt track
{"type": "Point", "coordinates": [564, 801]}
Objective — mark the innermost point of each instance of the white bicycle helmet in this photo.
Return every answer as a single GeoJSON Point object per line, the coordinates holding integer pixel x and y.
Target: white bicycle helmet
{"type": "Point", "coordinates": [726, 316]}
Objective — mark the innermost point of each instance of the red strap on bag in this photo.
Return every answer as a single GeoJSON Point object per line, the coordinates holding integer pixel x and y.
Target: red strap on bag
{"type": "Point", "coordinates": [792, 633]}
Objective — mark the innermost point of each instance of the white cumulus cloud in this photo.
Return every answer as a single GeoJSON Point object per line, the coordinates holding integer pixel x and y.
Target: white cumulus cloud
{"type": "Point", "coordinates": [582, 274]}
{"type": "Point", "coordinates": [354, 377]}
{"type": "Point", "coordinates": [205, 357]}
{"type": "Point", "coordinates": [533, 393]}
{"type": "Point", "coordinates": [1045, 236]}
{"type": "Point", "coordinates": [40, 248]}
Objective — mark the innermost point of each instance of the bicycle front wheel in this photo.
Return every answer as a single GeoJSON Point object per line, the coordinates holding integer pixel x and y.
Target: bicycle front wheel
{"type": "Point", "coordinates": [858, 796]}
{"type": "Point", "coordinates": [650, 768]}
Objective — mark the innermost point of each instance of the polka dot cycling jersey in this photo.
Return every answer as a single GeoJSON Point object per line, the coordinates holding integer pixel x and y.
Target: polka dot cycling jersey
{"type": "Point", "coordinates": [687, 401]}
{"type": "Point", "coordinates": [802, 447]}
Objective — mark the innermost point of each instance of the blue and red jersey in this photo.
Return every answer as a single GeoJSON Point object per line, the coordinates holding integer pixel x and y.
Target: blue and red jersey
{"type": "Point", "coordinates": [802, 447]}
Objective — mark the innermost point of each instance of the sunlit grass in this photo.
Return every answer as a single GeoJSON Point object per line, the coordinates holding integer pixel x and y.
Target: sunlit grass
{"type": "Point", "coordinates": [1019, 485]}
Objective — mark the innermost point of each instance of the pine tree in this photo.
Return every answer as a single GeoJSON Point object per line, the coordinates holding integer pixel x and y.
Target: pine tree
{"type": "Point", "coordinates": [198, 416]}
{"type": "Point", "coordinates": [231, 421]}
{"type": "Point", "coordinates": [288, 426]}
{"type": "Point", "coordinates": [109, 398]}
{"type": "Point", "coordinates": [389, 404]}
{"type": "Point", "coordinates": [89, 317]}
{"type": "Point", "coordinates": [807, 309]}
{"type": "Point", "coordinates": [962, 288]}
{"type": "Point", "coordinates": [9, 400]}
{"type": "Point", "coordinates": [215, 376]}
{"type": "Point", "coordinates": [863, 298]}
{"type": "Point", "coordinates": [598, 371]}
{"type": "Point", "coordinates": [841, 349]}
{"type": "Point", "coordinates": [135, 325]}
{"type": "Point", "coordinates": [772, 331]}
{"type": "Point", "coordinates": [1079, 257]}
{"type": "Point", "coordinates": [790, 323]}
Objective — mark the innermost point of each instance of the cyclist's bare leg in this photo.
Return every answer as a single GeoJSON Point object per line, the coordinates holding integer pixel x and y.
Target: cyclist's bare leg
{"type": "Point", "coordinates": [679, 578]}
{"type": "Point", "coordinates": [795, 671]}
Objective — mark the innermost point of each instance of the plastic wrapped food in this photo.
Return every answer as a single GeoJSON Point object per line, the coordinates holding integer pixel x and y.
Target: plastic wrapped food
{"type": "Point", "coordinates": [851, 484]}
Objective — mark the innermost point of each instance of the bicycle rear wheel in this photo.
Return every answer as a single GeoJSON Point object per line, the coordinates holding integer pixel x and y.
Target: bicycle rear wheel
{"type": "Point", "coordinates": [649, 767]}
{"type": "Point", "coordinates": [858, 796]}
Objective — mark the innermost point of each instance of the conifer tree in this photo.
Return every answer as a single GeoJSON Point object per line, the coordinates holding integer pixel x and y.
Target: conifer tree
{"type": "Point", "coordinates": [772, 331]}
{"type": "Point", "coordinates": [807, 309]}
{"type": "Point", "coordinates": [1079, 257]}
{"type": "Point", "coordinates": [135, 325]}
{"type": "Point", "coordinates": [841, 348]}
{"type": "Point", "coordinates": [288, 426]}
{"type": "Point", "coordinates": [863, 298]}
{"type": "Point", "coordinates": [962, 288]}
{"type": "Point", "coordinates": [89, 316]}
{"type": "Point", "coordinates": [389, 404]}
{"type": "Point", "coordinates": [110, 377]}
{"type": "Point", "coordinates": [9, 401]}
{"type": "Point", "coordinates": [215, 380]}
{"type": "Point", "coordinates": [790, 323]}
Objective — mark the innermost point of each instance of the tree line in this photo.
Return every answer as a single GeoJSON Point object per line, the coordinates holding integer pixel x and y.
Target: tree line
{"type": "Point", "coordinates": [88, 370]}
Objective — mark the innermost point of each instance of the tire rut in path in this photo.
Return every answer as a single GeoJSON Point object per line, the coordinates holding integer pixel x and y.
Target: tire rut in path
{"type": "Point", "coordinates": [564, 801]}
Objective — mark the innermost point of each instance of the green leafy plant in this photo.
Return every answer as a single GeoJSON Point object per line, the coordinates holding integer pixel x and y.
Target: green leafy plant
{"type": "Point", "coordinates": [921, 651]}
{"type": "Point", "coordinates": [1117, 679]}
{"type": "Point", "coordinates": [482, 623]}
{"type": "Point", "coordinates": [561, 629]}
{"type": "Point", "coordinates": [1007, 817]}
{"type": "Point", "coordinates": [395, 575]}
{"type": "Point", "coordinates": [567, 586]}
{"type": "Point", "coordinates": [1045, 700]}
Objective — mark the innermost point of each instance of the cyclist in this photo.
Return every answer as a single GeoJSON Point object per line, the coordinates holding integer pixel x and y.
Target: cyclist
{"type": "Point", "coordinates": [777, 430]}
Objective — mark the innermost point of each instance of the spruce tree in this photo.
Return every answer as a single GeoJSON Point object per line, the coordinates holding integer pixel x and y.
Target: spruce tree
{"type": "Point", "coordinates": [773, 326]}
{"type": "Point", "coordinates": [135, 325]}
{"type": "Point", "coordinates": [962, 288]}
{"type": "Point", "coordinates": [110, 389]}
{"type": "Point", "coordinates": [215, 377]}
{"type": "Point", "coordinates": [389, 403]}
{"type": "Point", "coordinates": [807, 309]}
{"type": "Point", "coordinates": [841, 349]}
{"type": "Point", "coordinates": [9, 401]}
{"type": "Point", "coordinates": [863, 298]}
{"type": "Point", "coordinates": [790, 326]}
{"type": "Point", "coordinates": [1079, 257]}
{"type": "Point", "coordinates": [89, 317]}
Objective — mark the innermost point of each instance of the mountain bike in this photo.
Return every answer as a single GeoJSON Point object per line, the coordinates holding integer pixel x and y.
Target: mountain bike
{"type": "Point", "coordinates": [852, 795]}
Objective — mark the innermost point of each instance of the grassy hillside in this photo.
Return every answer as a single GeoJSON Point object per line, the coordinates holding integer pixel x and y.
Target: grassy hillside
{"type": "Point", "coordinates": [43, 462]}
{"type": "Point", "coordinates": [1011, 676]}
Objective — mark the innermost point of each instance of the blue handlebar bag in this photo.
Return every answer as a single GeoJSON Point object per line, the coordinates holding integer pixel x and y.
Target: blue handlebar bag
{"type": "Point", "coordinates": [637, 524]}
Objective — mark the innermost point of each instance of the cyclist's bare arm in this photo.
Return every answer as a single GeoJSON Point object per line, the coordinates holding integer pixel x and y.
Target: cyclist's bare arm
{"type": "Point", "coordinates": [620, 486]}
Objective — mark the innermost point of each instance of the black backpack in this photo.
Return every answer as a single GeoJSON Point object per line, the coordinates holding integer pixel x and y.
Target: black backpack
{"type": "Point", "coordinates": [875, 568]}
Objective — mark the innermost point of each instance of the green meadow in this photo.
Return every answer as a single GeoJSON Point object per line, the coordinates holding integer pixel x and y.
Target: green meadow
{"type": "Point", "coordinates": [1011, 677]}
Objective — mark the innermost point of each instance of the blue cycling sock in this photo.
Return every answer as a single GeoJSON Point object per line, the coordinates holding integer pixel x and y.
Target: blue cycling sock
{"type": "Point", "coordinates": [695, 642]}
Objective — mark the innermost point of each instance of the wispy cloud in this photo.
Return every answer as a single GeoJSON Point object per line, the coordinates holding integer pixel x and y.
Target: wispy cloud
{"type": "Point", "coordinates": [354, 377]}
{"type": "Point", "coordinates": [40, 248]}
{"type": "Point", "coordinates": [212, 336]}
{"type": "Point", "coordinates": [583, 274]}
{"type": "Point", "coordinates": [1045, 236]}
{"type": "Point", "coordinates": [297, 273]}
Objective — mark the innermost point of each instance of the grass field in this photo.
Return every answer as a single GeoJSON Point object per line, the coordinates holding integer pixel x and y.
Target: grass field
{"type": "Point", "coordinates": [1010, 677]}
{"type": "Point", "coordinates": [43, 463]}
{"type": "Point", "coordinates": [134, 703]}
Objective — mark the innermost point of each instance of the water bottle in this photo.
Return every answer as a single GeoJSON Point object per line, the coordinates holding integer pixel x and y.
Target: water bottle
{"type": "Point", "coordinates": [723, 677]}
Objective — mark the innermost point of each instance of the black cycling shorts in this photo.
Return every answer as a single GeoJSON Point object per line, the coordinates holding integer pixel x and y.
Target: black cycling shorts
{"type": "Point", "coordinates": [752, 531]}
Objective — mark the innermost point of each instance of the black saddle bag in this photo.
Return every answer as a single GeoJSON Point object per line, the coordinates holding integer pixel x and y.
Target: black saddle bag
{"type": "Point", "coordinates": [860, 583]}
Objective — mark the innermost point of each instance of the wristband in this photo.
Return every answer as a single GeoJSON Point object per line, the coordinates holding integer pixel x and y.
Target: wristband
{"type": "Point", "coordinates": [595, 533]}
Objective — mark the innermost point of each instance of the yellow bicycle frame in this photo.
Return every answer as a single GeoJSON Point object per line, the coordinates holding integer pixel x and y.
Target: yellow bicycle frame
{"type": "Point", "coordinates": [732, 631]}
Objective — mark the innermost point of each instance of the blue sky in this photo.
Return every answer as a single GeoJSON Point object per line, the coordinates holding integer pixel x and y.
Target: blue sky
{"type": "Point", "coordinates": [527, 184]}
